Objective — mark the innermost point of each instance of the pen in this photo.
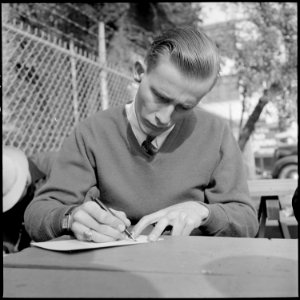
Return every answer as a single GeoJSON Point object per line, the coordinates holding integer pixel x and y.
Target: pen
{"type": "Point", "coordinates": [103, 206]}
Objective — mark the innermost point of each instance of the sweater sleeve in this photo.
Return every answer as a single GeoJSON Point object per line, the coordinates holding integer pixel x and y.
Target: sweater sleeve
{"type": "Point", "coordinates": [71, 176]}
{"type": "Point", "coordinates": [231, 211]}
{"type": "Point", "coordinates": [43, 161]}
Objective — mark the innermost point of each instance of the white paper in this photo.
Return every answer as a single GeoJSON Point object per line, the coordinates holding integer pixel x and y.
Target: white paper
{"type": "Point", "coordinates": [74, 244]}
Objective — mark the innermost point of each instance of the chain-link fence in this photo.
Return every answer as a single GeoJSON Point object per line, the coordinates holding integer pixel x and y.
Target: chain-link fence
{"type": "Point", "coordinates": [48, 86]}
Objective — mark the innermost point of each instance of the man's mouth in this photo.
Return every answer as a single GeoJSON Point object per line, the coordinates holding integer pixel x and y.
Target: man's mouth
{"type": "Point", "coordinates": [156, 128]}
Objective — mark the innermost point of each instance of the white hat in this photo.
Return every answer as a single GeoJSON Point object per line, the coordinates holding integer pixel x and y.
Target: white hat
{"type": "Point", "coordinates": [15, 172]}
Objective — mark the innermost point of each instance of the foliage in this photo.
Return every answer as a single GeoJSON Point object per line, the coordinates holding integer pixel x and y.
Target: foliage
{"type": "Point", "coordinates": [266, 56]}
{"type": "Point", "coordinates": [129, 26]}
{"type": "Point", "coordinates": [142, 21]}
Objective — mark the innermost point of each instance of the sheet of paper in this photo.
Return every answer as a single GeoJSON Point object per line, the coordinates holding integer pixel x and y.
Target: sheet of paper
{"type": "Point", "coordinates": [74, 244]}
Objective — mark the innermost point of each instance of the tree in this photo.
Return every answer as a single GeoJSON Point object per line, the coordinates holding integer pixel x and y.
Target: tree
{"type": "Point", "coordinates": [266, 61]}
{"type": "Point", "coordinates": [142, 21]}
{"type": "Point", "coordinates": [129, 26]}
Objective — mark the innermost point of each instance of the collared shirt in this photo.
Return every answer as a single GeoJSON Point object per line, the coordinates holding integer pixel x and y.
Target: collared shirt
{"type": "Point", "coordinates": [139, 134]}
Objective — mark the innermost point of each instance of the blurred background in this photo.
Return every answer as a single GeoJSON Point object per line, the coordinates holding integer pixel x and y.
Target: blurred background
{"type": "Point", "coordinates": [62, 62]}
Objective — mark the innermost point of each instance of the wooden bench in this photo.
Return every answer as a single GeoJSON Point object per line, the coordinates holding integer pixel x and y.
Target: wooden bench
{"type": "Point", "coordinates": [272, 198]}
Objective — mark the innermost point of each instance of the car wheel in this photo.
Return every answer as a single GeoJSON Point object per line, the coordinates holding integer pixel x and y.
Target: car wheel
{"type": "Point", "coordinates": [289, 171]}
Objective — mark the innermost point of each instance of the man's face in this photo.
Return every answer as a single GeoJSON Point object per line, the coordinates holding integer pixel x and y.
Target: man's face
{"type": "Point", "coordinates": [165, 96]}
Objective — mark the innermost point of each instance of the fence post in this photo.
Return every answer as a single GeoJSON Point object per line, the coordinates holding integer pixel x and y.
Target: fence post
{"type": "Point", "coordinates": [102, 61]}
{"type": "Point", "coordinates": [74, 81]}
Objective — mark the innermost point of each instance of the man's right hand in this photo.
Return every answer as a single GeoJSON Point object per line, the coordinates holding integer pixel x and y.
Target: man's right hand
{"type": "Point", "coordinates": [89, 222]}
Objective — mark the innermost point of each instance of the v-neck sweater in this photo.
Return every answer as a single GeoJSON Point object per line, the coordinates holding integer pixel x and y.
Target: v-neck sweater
{"type": "Point", "coordinates": [199, 161]}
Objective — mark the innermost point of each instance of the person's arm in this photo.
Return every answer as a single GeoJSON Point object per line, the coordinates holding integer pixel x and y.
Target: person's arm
{"type": "Point", "coordinates": [40, 164]}
{"type": "Point", "coordinates": [231, 211]}
{"type": "Point", "coordinates": [71, 177]}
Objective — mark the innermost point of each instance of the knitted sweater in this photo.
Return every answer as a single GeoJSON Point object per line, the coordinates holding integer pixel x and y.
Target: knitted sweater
{"type": "Point", "coordinates": [199, 161]}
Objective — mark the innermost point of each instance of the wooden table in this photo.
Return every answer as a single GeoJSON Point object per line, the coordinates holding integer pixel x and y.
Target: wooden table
{"type": "Point", "coordinates": [175, 267]}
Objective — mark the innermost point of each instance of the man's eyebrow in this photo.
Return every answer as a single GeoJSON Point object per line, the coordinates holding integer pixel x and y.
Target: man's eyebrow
{"type": "Point", "coordinates": [160, 95]}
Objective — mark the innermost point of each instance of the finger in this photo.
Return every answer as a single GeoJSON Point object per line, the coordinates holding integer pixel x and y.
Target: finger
{"type": "Point", "coordinates": [92, 192]}
{"type": "Point", "coordinates": [189, 226]}
{"type": "Point", "coordinates": [98, 237]}
{"type": "Point", "coordinates": [78, 230]}
{"type": "Point", "coordinates": [178, 224]}
{"type": "Point", "coordinates": [122, 216]}
{"type": "Point", "coordinates": [81, 234]}
{"type": "Point", "coordinates": [109, 231]}
{"type": "Point", "coordinates": [158, 229]}
{"type": "Point", "coordinates": [81, 221]}
{"type": "Point", "coordinates": [103, 217]}
{"type": "Point", "coordinates": [83, 217]}
{"type": "Point", "coordinates": [145, 222]}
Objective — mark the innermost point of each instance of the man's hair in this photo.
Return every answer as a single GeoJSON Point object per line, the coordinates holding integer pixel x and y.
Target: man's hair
{"type": "Point", "coordinates": [190, 49]}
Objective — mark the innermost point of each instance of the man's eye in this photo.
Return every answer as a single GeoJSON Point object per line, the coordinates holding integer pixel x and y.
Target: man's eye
{"type": "Point", "coordinates": [182, 108]}
{"type": "Point", "coordinates": [163, 100]}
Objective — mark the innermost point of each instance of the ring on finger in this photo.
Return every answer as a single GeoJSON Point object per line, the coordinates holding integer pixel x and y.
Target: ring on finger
{"type": "Point", "coordinates": [88, 235]}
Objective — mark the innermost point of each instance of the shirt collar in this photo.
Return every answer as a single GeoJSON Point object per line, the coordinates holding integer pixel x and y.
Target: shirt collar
{"type": "Point", "coordinates": [139, 134]}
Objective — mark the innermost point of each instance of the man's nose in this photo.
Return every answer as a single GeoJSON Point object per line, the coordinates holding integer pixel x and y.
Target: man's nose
{"type": "Point", "coordinates": [164, 115]}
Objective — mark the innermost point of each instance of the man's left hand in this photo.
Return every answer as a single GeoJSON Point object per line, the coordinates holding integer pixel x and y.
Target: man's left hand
{"type": "Point", "coordinates": [183, 217]}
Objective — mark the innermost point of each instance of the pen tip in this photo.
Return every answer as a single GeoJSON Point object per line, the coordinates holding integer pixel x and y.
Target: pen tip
{"type": "Point", "coordinates": [131, 236]}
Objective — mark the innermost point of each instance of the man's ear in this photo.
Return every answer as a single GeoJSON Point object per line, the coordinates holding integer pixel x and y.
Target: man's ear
{"type": "Point", "coordinates": [139, 70]}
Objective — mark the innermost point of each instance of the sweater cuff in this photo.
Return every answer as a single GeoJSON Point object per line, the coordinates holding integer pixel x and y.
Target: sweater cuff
{"type": "Point", "coordinates": [216, 221]}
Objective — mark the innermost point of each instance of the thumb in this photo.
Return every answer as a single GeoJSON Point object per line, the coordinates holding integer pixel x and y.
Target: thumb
{"type": "Point", "coordinates": [92, 192]}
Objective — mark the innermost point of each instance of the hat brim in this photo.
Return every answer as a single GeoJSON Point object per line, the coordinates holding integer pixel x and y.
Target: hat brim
{"type": "Point", "coordinates": [22, 167]}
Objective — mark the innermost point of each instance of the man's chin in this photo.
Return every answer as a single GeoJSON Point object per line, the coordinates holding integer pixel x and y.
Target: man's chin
{"type": "Point", "coordinates": [154, 130]}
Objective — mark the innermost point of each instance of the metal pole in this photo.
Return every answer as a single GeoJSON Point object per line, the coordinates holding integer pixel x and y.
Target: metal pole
{"type": "Point", "coordinates": [102, 61]}
{"type": "Point", "coordinates": [74, 81]}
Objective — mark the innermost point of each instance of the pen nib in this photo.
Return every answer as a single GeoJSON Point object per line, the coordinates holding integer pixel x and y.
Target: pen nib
{"type": "Point", "coordinates": [130, 236]}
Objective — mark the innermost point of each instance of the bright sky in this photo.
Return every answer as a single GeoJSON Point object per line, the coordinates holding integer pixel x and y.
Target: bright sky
{"type": "Point", "coordinates": [214, 12]}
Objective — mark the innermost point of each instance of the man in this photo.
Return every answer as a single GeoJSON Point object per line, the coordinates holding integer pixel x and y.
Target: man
{"type": "Point", "coordinates": [188, 175]}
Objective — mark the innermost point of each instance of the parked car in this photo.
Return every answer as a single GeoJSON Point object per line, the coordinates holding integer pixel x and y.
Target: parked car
{"type": "Point", "coordinates": [285, 162]}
